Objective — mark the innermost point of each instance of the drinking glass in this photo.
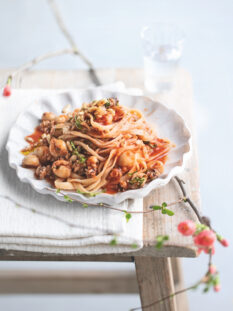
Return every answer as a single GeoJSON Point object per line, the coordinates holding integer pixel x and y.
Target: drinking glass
{"type": "Point", "coordinates": [163, 46]}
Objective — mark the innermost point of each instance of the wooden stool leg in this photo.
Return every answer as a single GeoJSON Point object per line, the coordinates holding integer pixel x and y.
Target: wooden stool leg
{"type": "Point", "coordinates": [182, 300]}
{"type": "Point", "coordinates": [155, 281]}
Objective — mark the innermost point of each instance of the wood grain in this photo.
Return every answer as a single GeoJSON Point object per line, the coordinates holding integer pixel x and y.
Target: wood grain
{"type": "Point", "coordinates": [67, 282]}
{"type": "Point", "coordinates": [155, 281]}
{"type": "Point", "coordinates": [180, 98]}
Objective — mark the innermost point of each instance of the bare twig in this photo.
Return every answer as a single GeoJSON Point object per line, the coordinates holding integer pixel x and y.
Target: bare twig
{"type": "Point", "coordinates": [187, 199]}
{"type": "Point", "coordinates": [111, 207]}
{"type": "Point", "coordinates": [37, 60]}
{"type": "Point", "coordinates": [71, 41]}
{"type": "Point", "coordinates": [167, 297]}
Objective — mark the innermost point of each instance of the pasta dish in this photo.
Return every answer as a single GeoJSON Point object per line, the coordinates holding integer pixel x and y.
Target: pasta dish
{"type": "Point", "coordinates": [100, 147]}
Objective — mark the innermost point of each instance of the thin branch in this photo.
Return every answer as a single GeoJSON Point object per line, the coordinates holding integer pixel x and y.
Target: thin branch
{"type": "Point", "coordinates": [54, 217]}
{"type": "Point", "coordinates": [71, 41]}
{"type": "Point", "coordinates": [37, 60]}
{"type": "Point", "coordinates": [188, 200]}
{"type": "Point", "coordinates": [111, 207]}
{"type": "Point", "coordinates": [168, 297]}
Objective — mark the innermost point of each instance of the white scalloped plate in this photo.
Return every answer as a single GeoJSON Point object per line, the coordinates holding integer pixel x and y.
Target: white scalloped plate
{"type": "Point", "coordinates": [167, 122]}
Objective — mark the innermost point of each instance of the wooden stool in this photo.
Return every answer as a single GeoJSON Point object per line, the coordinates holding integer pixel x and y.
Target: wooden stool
{"type": "Point", "coordinates": [158, 271]}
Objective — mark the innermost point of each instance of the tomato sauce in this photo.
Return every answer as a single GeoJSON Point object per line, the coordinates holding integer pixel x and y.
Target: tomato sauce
{"type": "Point", "coordinates": [34, 137]}
{"type": "Point", "coordinates": [111, 188]}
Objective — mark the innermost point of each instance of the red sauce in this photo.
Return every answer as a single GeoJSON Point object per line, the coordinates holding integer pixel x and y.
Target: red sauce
{"type": "Point", "coordinates": [111, 188]}
{"type": "Point", "coordinates": [34, 137]}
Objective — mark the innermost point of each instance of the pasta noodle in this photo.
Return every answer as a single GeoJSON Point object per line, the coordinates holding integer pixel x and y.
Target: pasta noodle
{"type": "Point", "coordinates": [100, 147]}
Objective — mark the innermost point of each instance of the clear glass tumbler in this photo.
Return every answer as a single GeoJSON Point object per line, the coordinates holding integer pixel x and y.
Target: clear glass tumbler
{"type": "Point", "coordinates": [163, 46]}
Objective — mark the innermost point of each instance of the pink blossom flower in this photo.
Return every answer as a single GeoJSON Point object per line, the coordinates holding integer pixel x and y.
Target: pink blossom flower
{"type": "Point", "coordinates": [187, 227]}
{"type": "Point", "coordinates": [205, 238]}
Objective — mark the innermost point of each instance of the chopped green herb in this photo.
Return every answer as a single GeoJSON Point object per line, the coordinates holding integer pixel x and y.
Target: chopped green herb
{"type": "Point", "coordinates": [58, 190]}
{"type": "Point", "coordinates": [150, 144]}
{"type": "Point", "coordinates": [107, 104]}
{"type": "Point", "coordinates": [72, 145]}
{"type": "Point", "coordinates": [130, 174]}
{"type": "Point", "coordinates": [134, 245]}
{"type": "Point", "coordinates": [81, 157]}
{"type": "Point", "coordinates": [85, 205]}
{"type": "Point", "coordinates": [78, 123]}
{"type": "Point", "coordinates": [137, 180]}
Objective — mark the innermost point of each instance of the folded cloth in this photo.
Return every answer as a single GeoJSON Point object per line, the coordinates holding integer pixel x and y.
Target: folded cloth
{"type": "Point", "coordinates": [30, 221]}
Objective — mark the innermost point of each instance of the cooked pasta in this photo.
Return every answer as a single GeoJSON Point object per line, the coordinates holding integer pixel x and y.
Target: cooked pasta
{"type": "Point", "coordinates": [100, 147]}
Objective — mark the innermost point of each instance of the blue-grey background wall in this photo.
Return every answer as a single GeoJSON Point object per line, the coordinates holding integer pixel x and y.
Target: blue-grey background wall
{"type": "Point", "coordinates": [108, 33]}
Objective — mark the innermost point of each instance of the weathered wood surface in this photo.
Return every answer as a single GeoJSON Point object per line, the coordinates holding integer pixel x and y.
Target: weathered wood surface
{"type": "Point", "coordinates": [67, 282]}
{"type": "Point", "coordinates": [155, 281]}
{"type": "Point", "coordinates": [181, 299]}
{"type": "Point", "coordinates": [180, 98]}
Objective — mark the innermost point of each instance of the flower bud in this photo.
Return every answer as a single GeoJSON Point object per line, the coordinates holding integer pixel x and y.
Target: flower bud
{"type": "Point", "coordinates": [212, 269]}
{"type": "Point", "coordinates": [217, 288]}
{"type": "Point", "coordinates": [224, 243]}
{"type": "Point", "coordinates": [7, 90]}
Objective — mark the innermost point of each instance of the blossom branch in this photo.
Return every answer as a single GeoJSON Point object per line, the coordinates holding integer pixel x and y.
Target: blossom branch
{"type": "Point", "coordinates": [167, 297]}
{"type": "Point", "coordinates": [36, 61]}
{"type": "Point", "coordinates": [71, 41]}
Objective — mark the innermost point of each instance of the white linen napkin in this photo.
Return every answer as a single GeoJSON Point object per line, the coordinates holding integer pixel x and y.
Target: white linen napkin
{"type": "Point", "coordinates": [40, 223]}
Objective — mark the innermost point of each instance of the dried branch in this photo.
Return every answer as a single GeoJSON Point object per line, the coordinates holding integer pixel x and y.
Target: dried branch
{"type": "Point", "coordinates": [202, 219]}
{"type": "Point", "coordinates": [37, 60]}
{"type": "Point", "coordinates": [167, 297]}
{"type": "Point", "coordinates": [71, 41]}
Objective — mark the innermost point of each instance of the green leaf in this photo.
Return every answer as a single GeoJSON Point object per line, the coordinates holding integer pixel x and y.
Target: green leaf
{"type": "Point", "coordinates": [85, 205]}
{"type": "Point", "coordinates": [164, 211]}
{"type": "Point", "coordinates": [159, 245]}
{"type": "Point", "coordinates": [160, 240]}
{"type": "Point", "coordinates": [58, 190]}
{"type": "Point", "coordinates": [169, 212]}
{"type": "Point", "coordinates": [156, 207]}
{"type": "Point", "coordinates": [164, 204]}
{"type": "Point", "coordinates": [68, 199]}
{"type": "Point", "coordinates": [206, 289]}
{"type": "Point", "coordinates": [72, 145]}
{"type": "Point", "coordinates": [127, 216]}
{"type": "Point", "coordinates": [113, 242]}
{"type": "Point", "coordinates": [216, 280]}
{"type": "Point", "coordinates": [166, 237]}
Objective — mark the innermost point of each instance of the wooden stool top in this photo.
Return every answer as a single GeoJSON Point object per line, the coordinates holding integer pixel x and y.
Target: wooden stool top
{"type": "Point", "coordinates": [179, 98]}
